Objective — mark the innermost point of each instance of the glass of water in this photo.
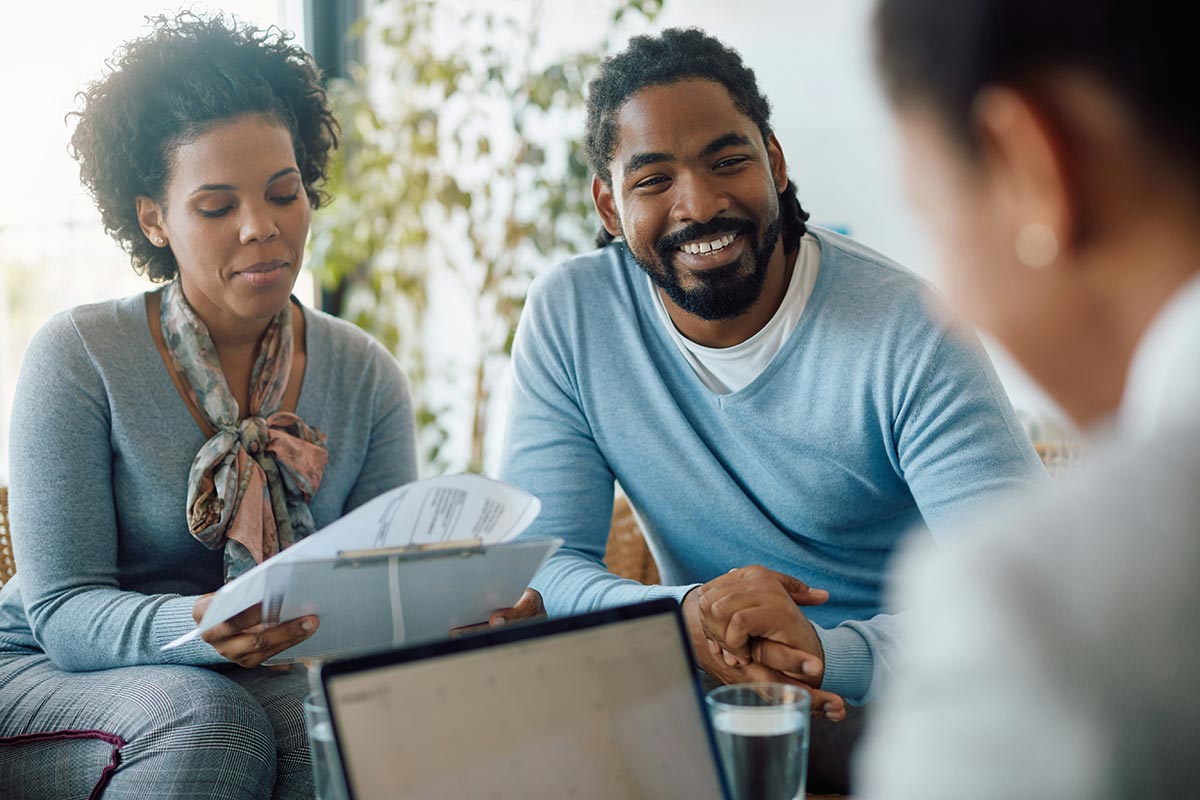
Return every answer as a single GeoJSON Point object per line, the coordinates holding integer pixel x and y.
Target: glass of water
{"type": "Point", "coordinates": [762, 739]}
{"type": "Point", "coordinates": [328, 783]}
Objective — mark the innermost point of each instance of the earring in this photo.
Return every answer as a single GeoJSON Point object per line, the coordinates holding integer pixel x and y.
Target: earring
{"type": "Point", "coordinates": [160, 241]}
{"type": "Point", "coordinates": [1036, 245]}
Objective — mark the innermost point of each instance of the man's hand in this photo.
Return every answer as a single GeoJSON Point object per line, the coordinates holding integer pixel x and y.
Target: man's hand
{"type": "Point", "coordinates": [763, 657]}
{"type": "Point", "coordinates": [528, 608]}
{"type": "Point", "coordinates": [242, 638]}
{"type": "Point", "coordinates": [753, 603]}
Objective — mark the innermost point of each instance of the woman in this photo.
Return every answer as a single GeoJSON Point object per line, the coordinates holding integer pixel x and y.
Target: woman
{"type": "Point", "coordinates": [164, 444]}
{"type": "Point", "coordinates": [1054, 148]}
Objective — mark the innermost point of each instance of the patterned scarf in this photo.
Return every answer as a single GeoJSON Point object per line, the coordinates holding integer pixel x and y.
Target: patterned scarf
{"type": "Point", "coordinates": [249, 486]}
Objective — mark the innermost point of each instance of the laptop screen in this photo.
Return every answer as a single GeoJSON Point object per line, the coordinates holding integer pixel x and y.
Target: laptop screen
{"type": "Point", "coordinates": [595, 707]}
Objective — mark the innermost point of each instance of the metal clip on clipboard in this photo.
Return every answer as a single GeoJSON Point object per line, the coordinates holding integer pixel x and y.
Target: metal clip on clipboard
{"type": "Point", "coordinates": [411, 552]}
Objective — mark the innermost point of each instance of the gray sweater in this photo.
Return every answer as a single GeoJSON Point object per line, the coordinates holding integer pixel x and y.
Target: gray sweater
{"type": "Point", "coordinates": [101, 444]}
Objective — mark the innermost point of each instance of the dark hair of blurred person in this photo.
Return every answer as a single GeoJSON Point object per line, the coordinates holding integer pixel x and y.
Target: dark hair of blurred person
{"type": "Point", "coordinates": [1075, 128]}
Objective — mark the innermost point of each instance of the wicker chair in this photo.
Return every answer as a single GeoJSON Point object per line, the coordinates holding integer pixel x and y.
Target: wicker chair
{"type": "Point", "coordinates": [628, 556]}
{"type": "Point", "coordinates": [7, 565]}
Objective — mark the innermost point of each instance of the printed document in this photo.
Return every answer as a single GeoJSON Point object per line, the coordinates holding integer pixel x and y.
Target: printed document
{"type": "Point", "coordinates": [408, 566]}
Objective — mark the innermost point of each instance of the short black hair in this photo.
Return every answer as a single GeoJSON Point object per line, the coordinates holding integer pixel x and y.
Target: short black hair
{"type": "Point", "coordinates": [943, 53]}
{"type": "Point", "coordinates": [675, 55]}
{"type": "Point", "coordinates": [188, 74]}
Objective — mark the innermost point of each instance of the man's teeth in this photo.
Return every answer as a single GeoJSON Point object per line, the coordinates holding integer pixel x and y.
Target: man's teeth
{"type": "Point", "coordinates": [695, 248]}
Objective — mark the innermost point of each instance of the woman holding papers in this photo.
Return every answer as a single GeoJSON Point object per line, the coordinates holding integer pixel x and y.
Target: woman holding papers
{"type": "Point", "coordinates": [165, 443]}
{"type": "Point", "coordinates": [1055, 149]}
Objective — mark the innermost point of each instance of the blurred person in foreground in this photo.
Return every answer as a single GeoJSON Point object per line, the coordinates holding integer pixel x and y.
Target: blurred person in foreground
{"type": "Point", "coordinates": [1054, 149]}
{"type": "Point", "coordinates": [165, 443]}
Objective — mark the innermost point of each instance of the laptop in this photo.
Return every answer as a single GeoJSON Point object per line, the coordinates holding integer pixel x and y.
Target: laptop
{"type": "Point", "coordinates": [603, 705]}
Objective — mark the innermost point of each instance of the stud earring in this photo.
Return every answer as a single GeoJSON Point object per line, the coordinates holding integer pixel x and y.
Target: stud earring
{"type": "Point", "coordinates": [160, 241]}
{"type": "Point", "coordinates": [1036, 245]}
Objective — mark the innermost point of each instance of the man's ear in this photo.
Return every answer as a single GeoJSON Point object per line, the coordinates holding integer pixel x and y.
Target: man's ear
{"type": "Point", "coordinates": [151, 219]}
{"type": "Point", "coordinates": [606, 206]}
{"type": "Point", "coordinates": [778, 164]}
{"type": "Point", "coordinates": [1025, 161]}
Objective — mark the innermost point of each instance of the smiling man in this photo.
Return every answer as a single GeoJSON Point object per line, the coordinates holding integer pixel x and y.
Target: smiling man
{"type": "Point", "coordinates": [780, 404]}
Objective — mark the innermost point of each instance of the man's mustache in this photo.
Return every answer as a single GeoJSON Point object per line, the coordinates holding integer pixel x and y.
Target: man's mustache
{"type": "Point", "coordinates": [718, 226]}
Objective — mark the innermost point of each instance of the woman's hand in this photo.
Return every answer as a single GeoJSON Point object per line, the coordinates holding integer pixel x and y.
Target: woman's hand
{"type": "Point", "coordinates": [242, 638]}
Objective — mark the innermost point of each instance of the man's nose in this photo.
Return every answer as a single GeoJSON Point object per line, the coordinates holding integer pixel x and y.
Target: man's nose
{"type": "Point", "coordinates": [697, 199]}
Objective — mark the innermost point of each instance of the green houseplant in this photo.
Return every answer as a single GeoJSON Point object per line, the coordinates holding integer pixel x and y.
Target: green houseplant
{"type": "Point", "coordinates": [461, 161]}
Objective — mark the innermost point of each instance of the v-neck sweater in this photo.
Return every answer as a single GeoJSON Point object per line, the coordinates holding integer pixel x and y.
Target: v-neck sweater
{"type": "Point", "coordinates": [101, 445]}
{"type": "Point", "coordinates": [875, 418]}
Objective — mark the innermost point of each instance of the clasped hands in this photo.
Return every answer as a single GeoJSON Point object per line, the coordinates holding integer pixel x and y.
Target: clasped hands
{"type": "Point", "coordinates": [746, 625]}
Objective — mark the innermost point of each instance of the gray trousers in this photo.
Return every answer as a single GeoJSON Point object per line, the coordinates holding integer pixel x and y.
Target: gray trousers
{"type": "Point", "coordinates": [831, 751]}
{"type": "Point", "coordinates": [151, 732]}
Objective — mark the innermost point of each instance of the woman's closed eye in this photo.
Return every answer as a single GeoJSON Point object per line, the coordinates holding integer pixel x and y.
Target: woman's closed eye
{"type": "Point", "coordinates": [279, 200]}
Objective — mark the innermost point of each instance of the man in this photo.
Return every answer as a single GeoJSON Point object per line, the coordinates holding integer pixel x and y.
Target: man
{"type": "Point", "coordinates": [774, 401]}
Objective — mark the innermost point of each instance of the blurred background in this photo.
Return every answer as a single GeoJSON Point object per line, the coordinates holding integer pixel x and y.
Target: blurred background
{"type": "Point", "coordinates": [460, 176]}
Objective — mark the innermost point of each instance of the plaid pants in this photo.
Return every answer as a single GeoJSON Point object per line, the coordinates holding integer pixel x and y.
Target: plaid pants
{"type": "Point", "coordinates": [151, 732]}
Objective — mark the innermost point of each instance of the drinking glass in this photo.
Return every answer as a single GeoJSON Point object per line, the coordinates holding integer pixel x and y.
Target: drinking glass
{"type": "Point", "coordinates": [328, 783]}
{"type": "Point", "coordinates": [762, 739]}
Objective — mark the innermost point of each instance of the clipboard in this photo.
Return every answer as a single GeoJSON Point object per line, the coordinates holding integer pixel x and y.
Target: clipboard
{"type": "Point", "coordinates": [393, 571]}
{"type": "Point", "coordinates": [410, 552]}
{"type": "Point", "coordinates": [370, 600]}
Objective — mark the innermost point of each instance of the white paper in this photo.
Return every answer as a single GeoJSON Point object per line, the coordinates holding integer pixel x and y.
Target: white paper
{"type": "Point", "coordinates": [373, 602]}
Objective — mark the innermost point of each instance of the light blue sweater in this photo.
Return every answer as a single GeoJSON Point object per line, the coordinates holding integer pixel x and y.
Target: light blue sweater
{"type": "Point", "coordinates": [107, 572]}
{"type": "Point", "coordinates": [872, 419]}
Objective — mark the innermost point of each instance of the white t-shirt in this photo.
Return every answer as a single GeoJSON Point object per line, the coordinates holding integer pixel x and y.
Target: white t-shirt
{"type": "Point", "coordinates": [725, 370]}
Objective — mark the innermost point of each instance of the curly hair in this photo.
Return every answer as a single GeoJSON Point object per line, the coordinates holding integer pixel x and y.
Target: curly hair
{"type": "Point", "coordinates": [677, 54]}
{"type": "Point", "coordinates": [187, 75]}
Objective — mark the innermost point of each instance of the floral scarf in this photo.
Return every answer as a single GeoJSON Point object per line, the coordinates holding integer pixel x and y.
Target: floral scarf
{"type": "Point", "coordinates": [249, 485]}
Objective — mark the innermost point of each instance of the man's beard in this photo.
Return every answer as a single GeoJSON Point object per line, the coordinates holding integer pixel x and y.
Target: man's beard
{"type": "Point", "coordinates": [724, 292]}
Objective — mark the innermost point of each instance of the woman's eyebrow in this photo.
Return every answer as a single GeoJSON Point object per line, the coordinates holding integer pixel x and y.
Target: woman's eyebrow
{"type": "Point", "coordinates": [229, 187]}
